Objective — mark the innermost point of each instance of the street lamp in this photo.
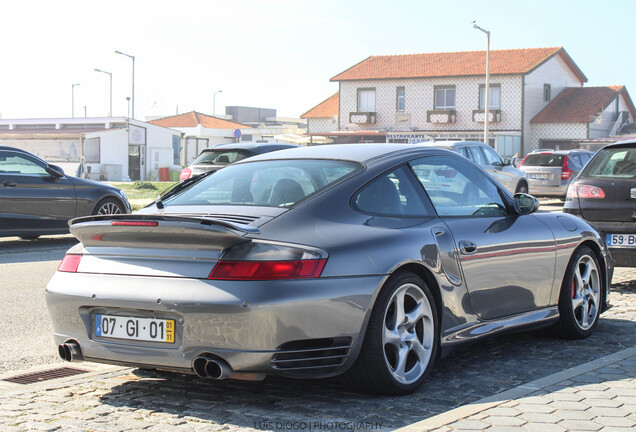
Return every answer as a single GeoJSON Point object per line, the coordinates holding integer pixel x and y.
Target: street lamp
{"type": "Point", "coordinates": [486, 90]}
{"type": "Point", "coordinates": [133, 79]}
{"type": "Point", "coordinates": [73, 99]}
{"type": "Point", "coordinates": [214, 102]}
{"type": "Point", "coordinates": [110, 111]}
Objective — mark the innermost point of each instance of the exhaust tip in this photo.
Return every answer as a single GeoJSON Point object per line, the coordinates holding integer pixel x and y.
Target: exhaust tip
{"type": "Point", "coordinates": [70, 351]}
{"type": "Point", "coordinates": [209, 367]}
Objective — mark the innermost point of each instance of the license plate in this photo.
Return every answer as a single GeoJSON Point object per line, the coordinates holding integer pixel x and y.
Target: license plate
{"type": "Point", "coordinates": [134, 328]}
{"type": "Point", "coordinates": [621, 240]}
{"type": "Point", "coordinates": [539, 176]}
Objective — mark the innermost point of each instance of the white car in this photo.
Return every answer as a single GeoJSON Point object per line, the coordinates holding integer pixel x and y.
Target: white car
{"type": "Point", "coordinates": [485, 156]}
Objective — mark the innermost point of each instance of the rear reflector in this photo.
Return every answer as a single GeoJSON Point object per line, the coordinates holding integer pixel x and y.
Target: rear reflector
{"type": "Point", "coordinates": [70, 263]}
{"type": "Point", "coordinates": [267, 270]}
{"type": "Point", "coordinates": [134, 223]}
{"type": "Point", "coordinates": [566, 172]}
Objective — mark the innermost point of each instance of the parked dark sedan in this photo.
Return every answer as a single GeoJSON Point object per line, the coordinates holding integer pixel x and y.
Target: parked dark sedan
{"type": "Point", "coordinates": [604, 194]}
{"type": "Point", "coordinates": [221, 155]}
{"type": "Point", "coordinates": [368, 260]}
{"type": "Point", "coordinates": [37, 198]}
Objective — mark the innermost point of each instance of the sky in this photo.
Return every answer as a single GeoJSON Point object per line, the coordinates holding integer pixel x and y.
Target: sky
{"type": "Point", "coordinates": [271, 54]}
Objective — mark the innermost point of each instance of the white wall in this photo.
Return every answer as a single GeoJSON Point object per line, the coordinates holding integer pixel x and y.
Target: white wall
{"type": "Point", "coordinates": [419, 98]}
{"type": "Point", "coordinates": [554, 72]}
{"type": "Point", "coordinates": [321, 125]}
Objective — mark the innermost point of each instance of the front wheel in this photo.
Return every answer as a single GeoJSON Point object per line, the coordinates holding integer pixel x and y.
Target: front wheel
{"type": "Point", "coordinates": [401, 341]}
{"type": "Point", "coordinates": [108, 206]}
{"type": "Point", "coordinates": [581, 296]}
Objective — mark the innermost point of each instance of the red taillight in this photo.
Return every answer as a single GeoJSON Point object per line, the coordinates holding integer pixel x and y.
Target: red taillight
{"type": "Point", "coordinates": [585, 191]}
{"type": "Point", "coordinates": [134, 223]}
{"type": "Point", "coordinates": [524, 159]}
{"type": "Point", "coordinates": [185, 174]}
{"type": "Point", "coordinates": [70, 263]}
{"type": "Point", "coordinates": [267, 270]}
{"type": "Point", "coordinates": [566, 172]}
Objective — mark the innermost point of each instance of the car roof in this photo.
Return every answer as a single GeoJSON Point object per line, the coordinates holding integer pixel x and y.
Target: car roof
{"type": "Point", "coordinates": [451, 144]}
{"type": "Point", "coordinates": [13, 149]}
{"type": "Point", "coordinates": [251, 146]}
{"type": "Point", "coordinates": [626, 143]}
{"type": "Point", "coordinates": [565, 152]}
{"type": "Point", "coordinates": [351, 152]}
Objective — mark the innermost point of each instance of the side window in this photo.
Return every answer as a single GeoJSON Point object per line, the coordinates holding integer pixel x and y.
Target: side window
{"type": "Point", "coordinates": [492, 157]}
{"type": "Point", "coordinates": [457, 188]}
{"type": "Point", "coordinates": [392, 194]}
{"type": "Point", "coordinates": [11, 163]}
{"type": "Point", "coordinates": [577, 159]}
{"type": "Point", "coordinates": [476, 155]}
{"type": "Point", "coordinates": [464, 152]}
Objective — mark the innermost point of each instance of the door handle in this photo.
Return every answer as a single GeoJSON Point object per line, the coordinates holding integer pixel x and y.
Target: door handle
{"type": "Point", "coordinates": [9, 183]}
{"type": "Point", "coordinates": [467, 247]}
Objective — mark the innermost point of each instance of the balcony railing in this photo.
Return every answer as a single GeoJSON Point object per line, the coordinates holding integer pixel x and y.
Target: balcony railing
{"type": "Point", "coordinates": [494, 116]}
{"type": "Point", "coordinates": [367, 117]}
{"type": "Point", "coordinates": [441, 116]}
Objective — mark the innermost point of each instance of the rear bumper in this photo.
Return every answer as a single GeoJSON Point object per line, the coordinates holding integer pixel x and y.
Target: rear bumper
{"type": "Point", "coordinates": [621, 256]}
{"type": "Point", "coordinates": [244, 323]}
{"type": "Point", "coordinates": [538, 189]}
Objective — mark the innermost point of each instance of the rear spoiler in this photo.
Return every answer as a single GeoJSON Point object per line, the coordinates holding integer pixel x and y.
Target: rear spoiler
{"type": "Point", "coordinates": [138, 230]}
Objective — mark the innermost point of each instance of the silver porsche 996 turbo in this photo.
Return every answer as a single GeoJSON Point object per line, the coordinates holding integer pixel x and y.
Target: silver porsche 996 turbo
{"type": "Point", "coordinates": [371, 261]}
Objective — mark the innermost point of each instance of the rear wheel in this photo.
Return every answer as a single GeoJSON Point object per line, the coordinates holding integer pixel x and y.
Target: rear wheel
{"type": "Point", "coordinates": [108, 206]}
{"type": "Point", "coordinates": [581, 296]}
{"type": "Point", "coordinates": [401, 341]}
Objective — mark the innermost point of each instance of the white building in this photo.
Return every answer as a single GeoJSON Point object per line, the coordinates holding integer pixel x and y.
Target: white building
{"type": "Point", "coordinates": [113, 148]}
{"type": "Point", "coordinates": [441, 96]}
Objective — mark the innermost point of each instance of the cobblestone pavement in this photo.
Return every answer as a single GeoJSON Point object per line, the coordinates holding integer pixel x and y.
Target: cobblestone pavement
{"type": "Point", "coordinates": [127, 399]}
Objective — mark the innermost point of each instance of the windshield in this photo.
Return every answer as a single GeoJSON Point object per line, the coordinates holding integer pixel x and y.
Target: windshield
{"type": "Point", "coordinates": [617, 162]}
{"type": "Point", "coordinates": [544, 159]}
{"type": "Point", "coordinates": [280, 183]}
{"type": "Point", "coordinates": [221, 157]}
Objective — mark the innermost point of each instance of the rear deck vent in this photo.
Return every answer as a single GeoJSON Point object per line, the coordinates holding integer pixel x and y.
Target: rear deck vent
{"type": "Point", "coordinates": [312, 354]}
{"type": "Point", "coordinates": [240, 219]}
{"type": "Point", "coordinates": [45, 375]}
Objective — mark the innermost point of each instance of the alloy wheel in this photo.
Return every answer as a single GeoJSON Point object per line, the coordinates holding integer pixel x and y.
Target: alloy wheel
{"type": "Point", "coordinates": [408, 333]}
{"type": "Point", "coordinates": [109, 208]}
{"type": "Point", "coordinates": [586, 292]}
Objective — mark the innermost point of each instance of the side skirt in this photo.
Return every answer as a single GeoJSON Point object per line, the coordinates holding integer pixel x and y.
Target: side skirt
{"type": "Point", "coordinates": [482, 329]}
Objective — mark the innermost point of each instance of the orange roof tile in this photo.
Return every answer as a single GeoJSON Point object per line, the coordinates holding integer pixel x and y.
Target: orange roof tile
{"type": "Point", "coordinates": [193, 119]}
{"type": "Point", "coordinates": [453, 64]}
{"type": "Point", "coordinates": [580, 104]}
{"type": "Point", "coordinates": [327, 108]}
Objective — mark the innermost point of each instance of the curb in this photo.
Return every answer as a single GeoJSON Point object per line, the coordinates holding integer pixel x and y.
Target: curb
{"type": "Point", "coordinates": [518, 392]}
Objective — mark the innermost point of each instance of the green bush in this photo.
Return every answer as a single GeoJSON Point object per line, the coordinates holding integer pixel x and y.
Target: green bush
{"type": "Point", "coordinates": [143, 185]}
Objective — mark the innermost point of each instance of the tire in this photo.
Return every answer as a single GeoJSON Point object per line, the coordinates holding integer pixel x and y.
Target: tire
{"type": "Point", "coordinates": [522, 187]}
{"type": "Point", "coordinates": [581, 297]}
{"type": "Point", "coordinates": [396, 357]}
{"type": "Point", "coordinates": [108, 206]}
{"type": "Point", "coordinates": [29, 237]}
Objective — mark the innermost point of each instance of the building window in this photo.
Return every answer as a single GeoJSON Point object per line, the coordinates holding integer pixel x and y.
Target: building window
{"type": "Point", "coordinates": [176, 160]}
{"type": "Point", "coordinates": [508, 145]}
{"type": "Point", "coordinates": [400, 99]}
{"type": "Point", "coordinates": [445, 97]}
{"type": "Point", "coordinates": [494, 96]}
{"type": "Point", "coordinates": [547, 90]}
{"type": "Point", "coordinates": [366, 100]}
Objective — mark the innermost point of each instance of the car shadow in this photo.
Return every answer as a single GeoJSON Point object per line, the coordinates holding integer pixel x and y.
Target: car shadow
{"type": "Point", "coordinates": [15, 250]}
{"type": "Point", "coordinates": [467, 375]}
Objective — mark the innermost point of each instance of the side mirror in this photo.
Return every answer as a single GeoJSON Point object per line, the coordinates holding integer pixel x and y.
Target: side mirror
{"type": "Point", "coordinates": [507, 162]}
{"type": "Point", "coordinates": [525, 204]}
{"type": "Point", "coordinates": [54, 171]}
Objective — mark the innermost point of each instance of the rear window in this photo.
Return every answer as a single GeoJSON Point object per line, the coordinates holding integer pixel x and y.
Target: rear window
{"type": "Point", "coordinates": [617, 162]}
{"type": "Point", "coordinates": [279, 183]}
{"type": "Point", "coordinates": [544, 159]}
{"type": "Point", "coordinates": [221, 157]}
